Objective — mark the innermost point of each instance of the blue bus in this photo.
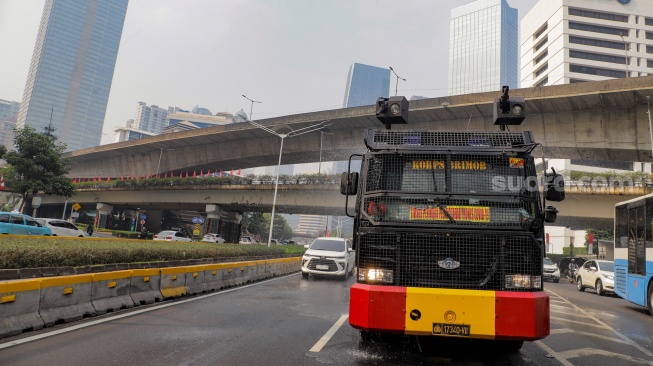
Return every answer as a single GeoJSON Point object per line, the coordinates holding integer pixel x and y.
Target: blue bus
{"type": "Point", "coordinates": [633, 250]}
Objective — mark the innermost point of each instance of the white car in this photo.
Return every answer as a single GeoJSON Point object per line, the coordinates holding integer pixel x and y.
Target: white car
{"type": "Point", "coordinates": [596, 274]}
{"type": "Point", "coordinates": [62, 228]}
{"type": "Point", "coordinates": [171, 235]}
{"type": "Point", "coordinates": [329, 256]}
{"type": "Point", "coordinates": [551, 271]}
{"type": "Point", "coordinates": [213, 238]}
{"type": "Point", "coordinates": [247, 240]}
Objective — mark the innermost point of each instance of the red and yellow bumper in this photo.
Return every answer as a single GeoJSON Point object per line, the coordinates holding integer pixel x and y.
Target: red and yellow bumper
{"type": "Point", "coordinates": [469, 313]}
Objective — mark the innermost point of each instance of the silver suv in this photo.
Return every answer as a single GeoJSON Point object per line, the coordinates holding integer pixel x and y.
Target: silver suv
{"type": "Point", "coordinates": [551, 271]}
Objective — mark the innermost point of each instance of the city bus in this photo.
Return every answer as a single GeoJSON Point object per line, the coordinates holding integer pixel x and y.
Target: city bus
{"type": "Point", "coordinates": [633, 250]}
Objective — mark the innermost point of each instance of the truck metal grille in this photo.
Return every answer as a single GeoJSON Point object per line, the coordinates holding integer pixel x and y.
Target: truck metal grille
{"type": "Point", "coordinates": [378, 139]}
{"type": "Point", "coordinates": [451, 260]}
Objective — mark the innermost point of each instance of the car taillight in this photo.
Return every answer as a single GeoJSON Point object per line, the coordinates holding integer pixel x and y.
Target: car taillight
{"type": "Point", "coordinates": [168, 237]}
{"type": "Point", "coordinates": [156, 237]}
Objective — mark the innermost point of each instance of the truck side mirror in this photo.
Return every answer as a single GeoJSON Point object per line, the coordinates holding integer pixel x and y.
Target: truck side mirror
{"type": "Point", "coordinates": [555, 187]}
{"type": "Point", "coordinates": [550, 214]}
{"type": "Point", "coordinates": [349, 184]}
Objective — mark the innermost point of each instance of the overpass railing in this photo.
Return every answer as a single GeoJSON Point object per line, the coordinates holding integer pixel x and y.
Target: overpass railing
{"type": "Point", "coordinates": [210, 182]}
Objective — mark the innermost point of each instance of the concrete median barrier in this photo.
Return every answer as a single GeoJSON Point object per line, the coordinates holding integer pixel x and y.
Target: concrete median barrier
{"type": "Point", "coordinates": [19, 307]}
{"type": "Point", "coordinates": [145, 286]}
{"type": "Point", "coordinates": [110, 291]}
{"type": "Point", "coordinates": [195, 280]}
{"type": "Point", "coordinates": [213, 276]}
{"type": "Point", "coordinates": [173, 282]}
{"type": "Point", "coordinates": [66, 298]}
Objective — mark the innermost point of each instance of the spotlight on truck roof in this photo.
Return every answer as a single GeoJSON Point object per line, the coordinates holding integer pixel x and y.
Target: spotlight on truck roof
{"type": "Point", "coordinates": [509, 111]}
{"type": "Point", "coordinates": [393, 110]}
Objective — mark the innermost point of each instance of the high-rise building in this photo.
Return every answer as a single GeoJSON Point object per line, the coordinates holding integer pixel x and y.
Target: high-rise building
{"type": "Point", "coordinates": [570, 41]}
{"type": "Point", "coordinates": [72, 68]}
{"type": "Point", "coordinates": [365, 84]}
{"type": "Point", "coordinates": [152, 118]}
{"type": "Point", "coordinates": [483, 47]}
{"type": "Point", "coordinates": [311, 225]}
{"type": "Point", "coordinates": [8, 114]}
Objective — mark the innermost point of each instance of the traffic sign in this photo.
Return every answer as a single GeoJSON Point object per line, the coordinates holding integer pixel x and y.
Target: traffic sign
{"type": "Point", "coordinates": [195, 220]}
{"type": "Point", "coordinates": [143, 217]}
{"type": "Point", "coordinates": [77, 206]}
{"type": "Point", "coordinates": [200, 220]}
{"type": "Point", "coordinates": [142, 222]}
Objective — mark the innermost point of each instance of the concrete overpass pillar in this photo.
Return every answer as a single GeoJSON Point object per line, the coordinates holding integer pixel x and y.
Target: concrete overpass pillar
{"type": "Point", "coordinates": [104, 210]}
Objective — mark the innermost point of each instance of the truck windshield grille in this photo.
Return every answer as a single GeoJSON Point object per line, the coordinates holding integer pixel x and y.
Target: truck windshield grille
{"type": "Point", "coordinates": [465, 189]}
{"type": "Point", "coordinates": [451, 260]}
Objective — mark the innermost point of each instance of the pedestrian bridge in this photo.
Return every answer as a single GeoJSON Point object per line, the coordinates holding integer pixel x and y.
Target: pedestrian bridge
{"type": "Point", "coordinates": [603, 120]}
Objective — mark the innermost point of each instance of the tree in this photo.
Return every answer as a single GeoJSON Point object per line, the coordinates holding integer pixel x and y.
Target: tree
{"type": "Point", "coordinates": [281, 229]}
{"type": "Point", "coordinates": [37, 165]}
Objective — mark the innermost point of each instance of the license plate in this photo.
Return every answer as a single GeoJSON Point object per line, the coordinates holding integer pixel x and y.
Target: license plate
{"type": "Point", "coordinates": [322, 266]}
{"type": "Point", "coordinates": [461, 330]}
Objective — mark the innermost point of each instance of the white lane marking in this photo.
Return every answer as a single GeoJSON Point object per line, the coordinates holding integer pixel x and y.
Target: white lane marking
{"type": "Point", "coordinates": [567, 313]}
{"type": "Point", "coordinates": [623, 337]}
{"type": "Point", "coordinates": [120, 316]}
{"type": "Point", "coordinates": [325, 338]}
{"type": "Point", "coordinates": [553, 353]}
{"type": "Point", "coordinates": [583, 323]}
{"type": "Point", "coordinates": [588, 334]}
{"type": "Point", "coordinates": [593, 352]}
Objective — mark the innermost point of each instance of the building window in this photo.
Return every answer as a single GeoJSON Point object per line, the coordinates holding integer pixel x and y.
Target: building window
{"type": "Point", "coordinates": [596, 71]}
{"type": "Point", "coordinates": [542, 82]}
{"type": "Point", "coordinates": [597, 57]}
{"type": "Point", "coordinates": [541, 44]}
{"type": "Point", "coordinates": [649, 21]}
{"type": "Point", "coordinates": [598, 15]}
{"type": "Point", "coordinates": [597, 43]}
{"type": "Point", "coordinates": [649, 64]}
{"type": "Point", "coordinates": [541, 56]}
{"type": "Point", "coordinates": [539, 32]}
{"type": "Point", "coordinates": [597, 28]}
{"type": "Point", "coordinates": [649, 49]}
{"type": "Point", "coordinates": [541, 69]}
{"type": "Point", "coordinates": [649, 35]}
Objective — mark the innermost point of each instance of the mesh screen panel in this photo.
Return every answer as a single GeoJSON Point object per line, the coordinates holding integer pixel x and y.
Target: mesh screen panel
{"type": "Point", "coordinates": [465, 189]}
{"type": "Point", "coordinates": [379, 139]}
{"type": "Point", "coordinates": [481, 260]}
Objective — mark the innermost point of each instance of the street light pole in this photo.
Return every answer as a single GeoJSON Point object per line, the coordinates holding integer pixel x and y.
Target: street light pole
{"type": "Point", "coordinates": [283, 136]}
{"type": "Point", "coordinates": [319, 167]}
{"type": "Point", "coordinates": [397, 83]}
{"type": "Point", "coordinates": [626, 48]}
{"type": "Point", "coordinates": [251, 106]}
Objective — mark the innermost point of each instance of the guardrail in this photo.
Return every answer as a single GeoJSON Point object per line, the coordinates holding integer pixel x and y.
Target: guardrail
{"type": "Point", "coordinates": [32, 304]}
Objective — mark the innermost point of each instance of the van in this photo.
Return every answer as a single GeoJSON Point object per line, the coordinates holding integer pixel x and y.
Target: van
{"type": "Point", "coordinates": [18, 224]}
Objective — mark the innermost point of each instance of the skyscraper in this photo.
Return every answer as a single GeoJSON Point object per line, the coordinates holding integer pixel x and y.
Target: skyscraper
{"type": "Point", "coordinates": [71, 69]}
{"type": "Point", "coordinates": [483, 47]}
{"type": "Point", "coordinates": [152, 118]}
{"type": "Point", "coordinates": [365, 84]}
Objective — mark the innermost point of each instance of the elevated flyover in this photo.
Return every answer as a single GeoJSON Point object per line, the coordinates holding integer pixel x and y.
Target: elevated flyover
{"type": "Point", "coordinates": [603, 120]}
{"type": "Point", "coordinates": [584, 205]}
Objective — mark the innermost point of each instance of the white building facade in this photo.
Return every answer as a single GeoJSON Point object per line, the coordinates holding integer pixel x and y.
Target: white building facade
{"type": "Point", "coordinates": [151, 119]}
{"type": "Point", "coordinates": [570, 41]}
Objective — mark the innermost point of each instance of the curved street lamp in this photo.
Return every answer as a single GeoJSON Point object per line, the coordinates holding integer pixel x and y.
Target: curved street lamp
{"type": "Point", "coordinates": [282, 136]}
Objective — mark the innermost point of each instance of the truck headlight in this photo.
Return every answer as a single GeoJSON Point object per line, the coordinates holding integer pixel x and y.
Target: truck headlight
{"type": "Point", "coordinates": [376, 275]}
{"type": "Point", "coordinates": [517, 281]}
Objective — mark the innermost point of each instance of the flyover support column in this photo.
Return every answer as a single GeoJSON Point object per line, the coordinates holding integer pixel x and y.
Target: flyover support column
{"type": "Point", "coordinates": [104, 210]}
{"type": "Point", "coordinates": [213, 220]}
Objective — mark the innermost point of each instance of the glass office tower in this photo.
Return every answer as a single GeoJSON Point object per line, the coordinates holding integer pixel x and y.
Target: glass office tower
{"type": "Point", "coordinates": [71, 69]}
{"type": "Point", "coordinates": [483, 47]}
{"type": "Point", "coordinates": [365, 84]}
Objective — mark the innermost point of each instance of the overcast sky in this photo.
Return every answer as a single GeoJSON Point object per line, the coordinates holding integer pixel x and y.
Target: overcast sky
{"type": "Point", "coordinates": [294, 55]}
